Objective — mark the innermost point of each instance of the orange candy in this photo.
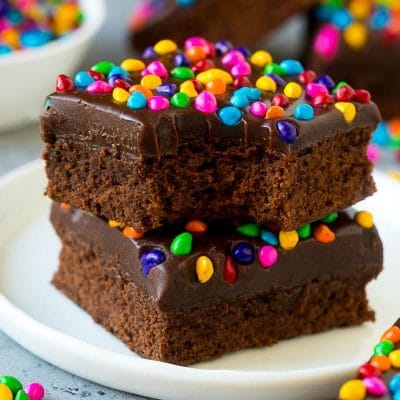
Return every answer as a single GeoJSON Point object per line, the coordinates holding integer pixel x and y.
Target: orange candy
{"type": "Point", "coordinates": [392, 334]}
{"type": "Point", "coordinates": [216, 86]}
{"type": "Point", "coordinates": [65, 206]}
{"type": "Point", "coordinates": [323, 234]}
{"type": "Point", "coordinates": [275, 112]}
{"type": "Point", "coordinates": [196, 226]}
{"type": "Point", "coordinates": [132, 233]}
{"type": "Point", "coordinates": [146, 92]}
{"type": "Point", "coordinates": [381, 362]}
{"type": "Point", "coordinates": [195, 53]}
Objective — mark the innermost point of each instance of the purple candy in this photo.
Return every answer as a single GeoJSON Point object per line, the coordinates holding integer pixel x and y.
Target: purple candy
{"type": "Point", "coordinates": [287, 131]}
{"type": "Point", "coordinates": [149, 52]}
{"type": "Point", "coordinates": [124, 78]}
{"type": "Point", "coordinates": [150, 259]}
{"type": "Point", "coordinates": [327, 81]}
{"type": "Point", "coordinates": [180, 60]}
{"type": "Point", "coordinates": [222, 47]}
{"type": "Point", "coordinates": [278, 80]}
{"type": "Point", "coordinates": [244, 50]}
{"type": "Point", "coordinates": [167, 89]}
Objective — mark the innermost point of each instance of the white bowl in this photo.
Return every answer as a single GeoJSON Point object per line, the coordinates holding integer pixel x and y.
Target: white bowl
{"type": "Point", "coordinates": [27, 76]}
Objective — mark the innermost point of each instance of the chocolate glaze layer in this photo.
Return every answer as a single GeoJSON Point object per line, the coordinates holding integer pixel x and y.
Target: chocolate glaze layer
{"type": "Point", "coordinates": [100, 121]}
{"type": "Point", "coordinates": [173, 284]}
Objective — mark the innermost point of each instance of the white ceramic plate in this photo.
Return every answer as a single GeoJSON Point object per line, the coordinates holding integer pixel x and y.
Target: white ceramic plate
{"type": "Point", "coordinates": [45, 322]}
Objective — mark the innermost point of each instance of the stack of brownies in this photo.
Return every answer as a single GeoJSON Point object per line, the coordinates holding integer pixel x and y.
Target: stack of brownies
{"type": "Point", "coordinates": [198, 195]}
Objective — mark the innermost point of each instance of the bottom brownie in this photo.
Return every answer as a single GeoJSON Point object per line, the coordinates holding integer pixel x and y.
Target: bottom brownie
{"type": "Point", "coordinates": [93, 279]}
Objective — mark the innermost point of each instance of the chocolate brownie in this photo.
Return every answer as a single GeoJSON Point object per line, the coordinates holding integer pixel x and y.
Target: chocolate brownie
{"type": "Point", "coordinates": [244, 21]}
{"type": "Point", "coordinates": [234, 135]}
{"type": "Point", "coordinates": [185, 294]}
{"type": "Point", "coordinates": [379, 378]}
{"type": "Point", "coordinates": [358, 41]}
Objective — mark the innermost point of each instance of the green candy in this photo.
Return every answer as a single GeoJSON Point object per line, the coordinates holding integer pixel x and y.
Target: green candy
{"type": "Point", "coordinates": [339, 85]}
{"type": "Point", "coordinates": [304, 232]}
{"type": "Point", "coordinates": [383, 348]}
{"type": "Point", "coordinates": [251, 230]}
{"type": "Point", "coordinates": [329, 218]}
{"type": "Point", "coordinates": [13, 384]}
{"type": "Point", "coordinates": [273, 68]}
{"type": "Point", "coordinates": [182, 73]}
{"type": "Point", "coordinates": [103, 67]}
{"type": "Point", "coordinates": [21, 395]}
{"type": "Point", "coordinates": [180, 100]}
{"type": "Point", "coordinates": [182, 244]}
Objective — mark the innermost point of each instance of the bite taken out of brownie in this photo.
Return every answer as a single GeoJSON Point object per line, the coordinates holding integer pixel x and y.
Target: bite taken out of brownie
{"type": "Point", "coordinates": [207, 132]}
{"type": "Point", "coordinates": [185, 295]}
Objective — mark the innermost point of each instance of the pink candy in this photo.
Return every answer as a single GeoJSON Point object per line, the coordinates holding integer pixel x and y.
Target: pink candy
{"type": "Point", "coordinates": [268, 256]}
{"type": "Point", "coordinates": [375, 386]}
{"type": "Point", "coordinates": [326, 43]}
{"type": "Point", "coordinates": [156, 68]}
{"type": "Point", "coordinates": [157, 103]}
{"type": "Point", "coordinates": [316, 89]}
{"type": "Point", "coordinates": [35, 391]}
{"type": "Point", "coordinates": [258, 109]}
{"type": "Point", "coordinates": [206, 102]}
{"type": "Point", "coordinates": [373, 153]}
{"type": "Point", "coordinates": [99, 87]}
{"type": "Point", "coordinates": [242, 68]}
{"type": "Point", "coordinates": [232, 58]}
{"type": "Point", "coordinates": [195, 41]}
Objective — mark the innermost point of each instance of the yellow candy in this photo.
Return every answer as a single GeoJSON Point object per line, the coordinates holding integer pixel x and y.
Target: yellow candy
{"type": "Point", "coordinates": [204, 269]}
{"type": "Point", "coordinates": [214, 73]}
{"type": "Point", "coordinates": [355, 35]}
{"type": "Point", "coordinates": [114, 224]}
{"type": "Point", "coordinates": [288, 239]}
{"type": "Point", "coordinates": [292, 90]}
{"type": "Point", "coordinates": [133, 65]}
{"type": "Point", "coordinates": [151, 81]}
{"type": "Point", "coordinates": [120, 95]}
{"type": "Point", "coordinates": [5, 392]}
{"type": "Point", "coordinates": [188, 88]}
{"type": "Point", "coordinates": [165, 46]}
{"type": "Point", "coordinates": [360, 9]}
{"type": "Point", "coordinates": [364, 219]}
{"type": "Point", "coordinates": [266, 83]}
{"type": "Point", "coordinates": [347, 109]}
{"type": "Point", "coordinates": [353, 390]}
{"type": "Point", "coordinates": [65, 18]}
{"type": "Point", "coordinates": [394, 358]}
{"type": "Point", "coordinates": [261, 58]}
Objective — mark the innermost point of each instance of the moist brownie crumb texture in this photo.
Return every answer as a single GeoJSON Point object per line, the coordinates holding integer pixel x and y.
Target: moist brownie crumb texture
{"type": "Point", "coordinates": [198, 196]}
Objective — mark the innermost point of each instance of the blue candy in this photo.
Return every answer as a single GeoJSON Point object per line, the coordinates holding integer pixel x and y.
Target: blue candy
{"type": "Point", "coordinates": [243, 253]}
{"type": "Point", "coordinates": [278, 79]}
{"type": "Point", "coordinates": [304, 112]}
{"type": "Point", "coordinates": [150, 259]}
{"type": "Point", "coordinates": [180, 60]}
{"type": "Point", "coordinates": [14, 16]}
{"type": "Point", "coordinates": [83, 79]}
{"type": "Point", "coordinates": [324, 12]}
{"type": "Point", "coordinates": [252, 94]}
{"type": "Point", "coordinates": [287, 131]}
{"type": "Point", "coordinates": [244, 50]}
{"type": "Point", "coordinates": [149, 52]}
{"type": "Point", "coordinates": [116, 70]}
{"type": "Point", "coordinates": [396, 396]}
{"type": "Point", "coordinates": [230, 115]}
{"type": "Point", "coordinates": [239, 100]}
{"type": "Point", "coordinates": [381, 136]}
{"type": "Point", "coordinates": [48, 103]}
{"type": "Point", "coordinates": [222, 47]}
{"type": "Point", "coordinates": [327, 81]}
{"type": "Point", "coordinates": [35, 38]}
{"type": "Point", "coordinates": [394, 384]}
{"type": "Point", "coordinates": [137, 100]}
{"type": "Point", "coordinates": [5, 49]}
{"type": "Point", "coordinates": [380, 18]}
{"type": "Point", "coordinates": [292, 67]}
{"type": "Point", "coordinates": [269, 237]}
{"type": "Point", "coordinates": [185, 2]}
{"type": "Point", "coordinates": [342, 18]}
{"type": "Point", "coordinates": [167, 89]}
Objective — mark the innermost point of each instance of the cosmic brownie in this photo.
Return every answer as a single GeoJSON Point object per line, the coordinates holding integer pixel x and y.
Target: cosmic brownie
{"type": "Point", "coordinates": [188, 293]}
{"type": "Point", "coordinates": [154, 142]}
{"type": "Point", "coordinates": [358, 41]}
{"type": "Point", "coordinates": [153, 20]}
{"type": "Point", "coordinates": [379, 378]}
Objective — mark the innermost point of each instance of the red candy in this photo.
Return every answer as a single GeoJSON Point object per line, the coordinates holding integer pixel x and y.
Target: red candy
{"type": "Point", "coordinates": [122, 84]}
{"type": "Point", "coordinates": [241, 81]}
{"type": "Point", "coordinates": [345, 93]}
{"type": "Point", "coordinates": [307, 77]}
{"type": "Point", "coordinates": [229, 271]}
{"type": "Point", "coordinates": [322, 100]}
{"type": "Point", "coordinates": [280, 100]}
{"type": "Point", "coordinates": [363, 96]}
{"type": "Point", "coordinates": [197, 85]}
{"type": "Point", "coordinates": [64, 84]}
{"type": "Point", "coordinates": [97, 76]}
{"type": "Point", "coordinates": [202, 65]}
{"type": "Point", "coordinates": [368, 370]}
{"type": "Point", "coordinates": [209, 49]}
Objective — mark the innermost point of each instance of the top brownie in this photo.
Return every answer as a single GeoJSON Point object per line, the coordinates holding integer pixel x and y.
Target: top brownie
{"type": "Point", "coordinates": [153, 20]}
{"type": "Point", "coordinates": [207, 131]}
